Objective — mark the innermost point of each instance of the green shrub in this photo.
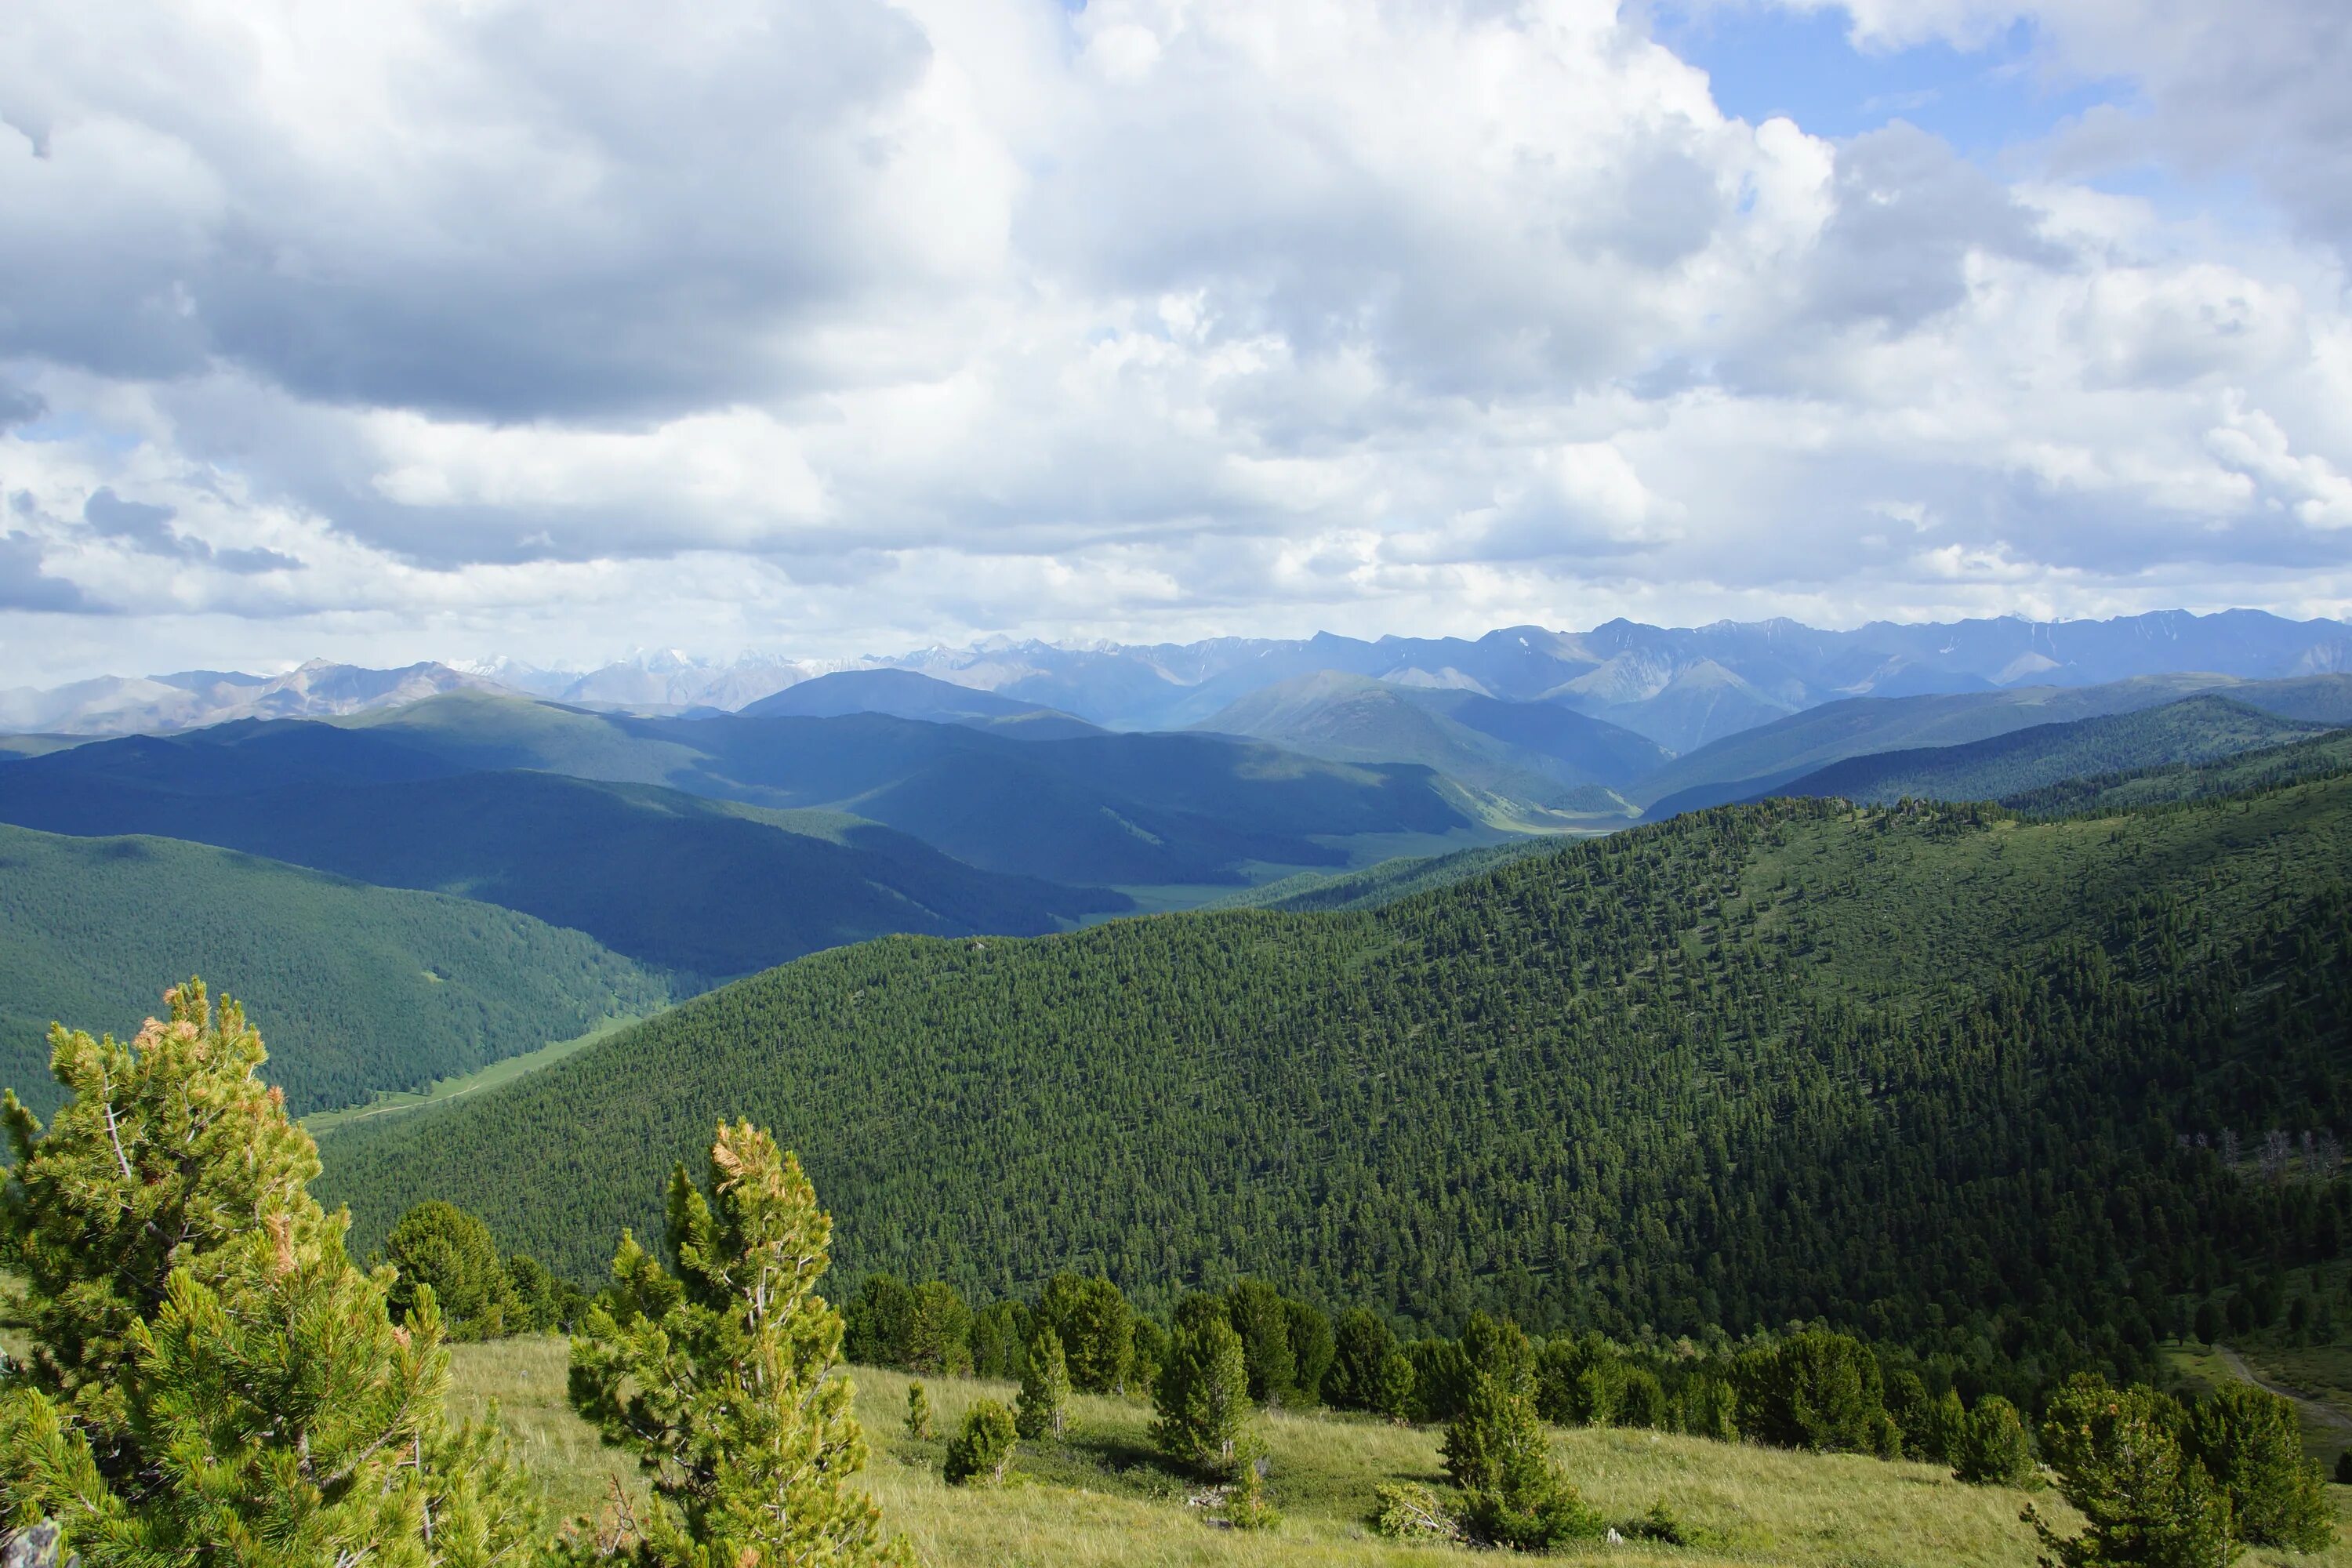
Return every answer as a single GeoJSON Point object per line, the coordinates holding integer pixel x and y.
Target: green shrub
{"type": "Point", "coordinates": [2250, 1441]}
{"type": "Point", "coordinates": [1814, 1390]}
{"type": "Point", "coordinates": [1360, 1342]}
{"type": "Point", "coordinates": [440, 1244]}
{"type": "Point", "coordinates": [1516, 1494]}
{"type": "Point", "coordinates": [1247, 1506]}
{"type": "Point", "coordinates": [1992, 1447]}
{"type": "Point", "coordinates": [1641, 1399]}
{"type": "Point", "coordinates": [918, 1411]}
{"type": "Point", "coordinates": [1403, 1511]}
{"type": "Point", "coordinates": [2145, 1502]}
{"type": "Point", "coordinates": [1711, 1409]}
{"type": "Point", "coordinates": [1661, 1523]}
{"type": "Point", "coordinates": [939, 1329]}
{"type": "Point", "coordinates": [978, 1454]}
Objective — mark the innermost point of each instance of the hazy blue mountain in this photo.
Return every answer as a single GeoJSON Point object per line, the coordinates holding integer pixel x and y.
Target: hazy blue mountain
{"type": "Point", "coordinates": [1536, 753]}
{"type": "Point", "coordinates": [704, 888]}
{"type": "Point", "coordinates": [1094, 809]}
{"type": "Point", "coordinates": [1683, 687]}
{"type": "Point", "coordinates": [2195, 730]}
{"type": "Point", "coordinates": [905, 694]}
{"type": "Point", "coordinates": [1624, 665]}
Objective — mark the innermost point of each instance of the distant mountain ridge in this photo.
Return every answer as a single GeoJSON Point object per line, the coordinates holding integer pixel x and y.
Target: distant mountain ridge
{"type": "Point", "coordinates": [110, 705]}
{"type": "Point", "coordinates": [1683, 688]}
{"type": "Point", "coordinates": [1542, 754]}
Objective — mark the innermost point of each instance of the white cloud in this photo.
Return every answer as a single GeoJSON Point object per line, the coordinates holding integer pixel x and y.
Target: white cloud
{"type": "Point", "coordinates": [841, 326]}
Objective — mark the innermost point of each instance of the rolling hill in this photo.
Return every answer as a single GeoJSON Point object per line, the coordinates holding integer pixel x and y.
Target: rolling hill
{"type": "Point", "coordinates": [699, 888]}
{"type": "Point", "coordinates": [1918, 1072]}
{"type": "Point", "coordinates": [2195, 730]}
{"type": "Point", "coordinates": [1757, 761]}
{"type": "Point", "coordinates": [1095, 809]}
{"type": "Point", "coordinates": [366, 989]}
{"type": "Point", "coordinates": [1538, 753]}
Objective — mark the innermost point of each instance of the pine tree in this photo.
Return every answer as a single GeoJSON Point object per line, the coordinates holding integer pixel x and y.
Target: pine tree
{"type": "Point", "coordinates": [978, 1454]}
{"type": "Point", "coordinates": [1360, 1342]}
{"type": "Point", "coordinates": [440, 1244]}
{"type": "Point", "coordinates": [1992, 1449]}
{"type": "Point", "coordinates": [939, 1329]}
{"type": "Point", "coordinates": [724, 1377]}
{"type": "Point", "coordinates": [1264, 1325]}
{"type": "Point", "coordinates": [1096, 1326]}
{"type": "Point", "coordinates": [2249, 1440]}
{"type": "Point", "coordinates": [1517, 1495]}
{"type": "Point", "coordinates": [1044, 1407]}
{"type": "Point", "coordinates": [2145, 1502]}
{"type": "Point", "coordinates": [1397, 1389]}
{"type": "Point", "coordinates": [213, 1379]}
{"type": "Point", "coordinates": [918, 1411]}
{"type": "Point", "coordinates": [1312, 1348]}
{"type": "Point", "coordinates": [1203, 1398]}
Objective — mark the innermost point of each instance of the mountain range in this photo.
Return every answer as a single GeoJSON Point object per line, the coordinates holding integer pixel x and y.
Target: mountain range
{"type": "Point", "coordinates": [1681, 687]}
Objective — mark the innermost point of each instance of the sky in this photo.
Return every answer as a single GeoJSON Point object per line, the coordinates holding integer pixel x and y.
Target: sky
{"type": "Point", "coordinates": [454, 328]}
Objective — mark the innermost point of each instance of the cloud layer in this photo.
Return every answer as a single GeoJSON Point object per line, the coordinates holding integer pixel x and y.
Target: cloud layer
{"type": "Point", "coordinates": [835, 325]}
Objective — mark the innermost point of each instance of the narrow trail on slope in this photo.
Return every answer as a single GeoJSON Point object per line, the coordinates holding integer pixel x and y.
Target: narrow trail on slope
{"type": "Point", "coordinates": [2324, 1413]}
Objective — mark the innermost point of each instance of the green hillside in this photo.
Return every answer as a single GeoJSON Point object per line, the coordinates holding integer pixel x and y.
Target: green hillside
{"type": "Point", "coordinates": [1382, 883]}
{"type": "Point", "coordinates": [2196, 729]}
{"type": "Point", "coordinates": [1753, 761]}
{"type": "Point", "coordinates": [704, 889]}
{"type": "Point", "coordinates": [366, 989]}
{"type": "Point", "coordinates": [1919, 1072]}
{"type": "Point", "coordinates": [1535, 754]}
{"type": "Point", "coordinates": [2321, 756]}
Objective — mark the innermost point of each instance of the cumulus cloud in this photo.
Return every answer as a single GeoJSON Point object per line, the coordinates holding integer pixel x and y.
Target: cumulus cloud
{"type": "Point", "coordinates": [24, 581]}
{"type": "Point", "coordinates": [848, 325]}
{"type": "Point", "coordinates": [148, 528]}
{"type": "Point", "coordinates": [2253, 85]}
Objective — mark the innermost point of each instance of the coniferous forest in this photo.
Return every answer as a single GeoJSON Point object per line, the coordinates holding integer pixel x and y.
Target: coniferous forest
{"type": "Point", "coordinates": [2011, 1094]}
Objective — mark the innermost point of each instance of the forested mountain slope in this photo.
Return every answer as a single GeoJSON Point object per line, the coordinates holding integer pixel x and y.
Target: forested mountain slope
{"type": "Point", "coordinates": [366, 988]}
{"type": "Point", "coordinates": [1757, 761]}
{"type": "Point", "coordinates": [2196, 729]}
{"type": "Point", "coordinates": [1922, 1072]}
{"type": "Point", "coordinates": [703, 889]}
{"type": "Point", "coordinates": [2324, 755]}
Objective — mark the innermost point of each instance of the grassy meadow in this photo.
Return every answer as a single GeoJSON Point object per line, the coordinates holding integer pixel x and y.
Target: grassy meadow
{"type": "Point", "coordinates": [1102, 1498]}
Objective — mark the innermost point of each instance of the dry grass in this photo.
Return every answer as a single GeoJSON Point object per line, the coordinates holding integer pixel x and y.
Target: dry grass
{"type": "Point", "coordinates": [1102, 1499]}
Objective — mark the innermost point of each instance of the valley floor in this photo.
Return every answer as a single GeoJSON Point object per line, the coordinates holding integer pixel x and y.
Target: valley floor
{"type": "Point", "coordinates": [1102, 1499]}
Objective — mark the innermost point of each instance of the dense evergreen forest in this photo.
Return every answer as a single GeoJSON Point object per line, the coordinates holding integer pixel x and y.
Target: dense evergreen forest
{"type": "Point", "coordinates": [367, 989]}
{"type": "Point", "coordinates": [2322, 756]}
{"type": "Point", "coordinates": [2199, 729]}
{"type": "Point", "coordinates": [1938, 1076]}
